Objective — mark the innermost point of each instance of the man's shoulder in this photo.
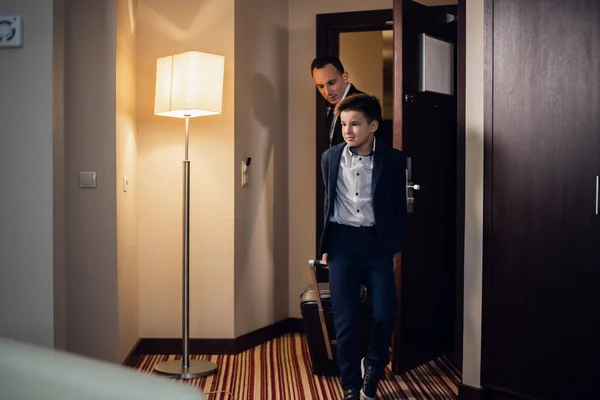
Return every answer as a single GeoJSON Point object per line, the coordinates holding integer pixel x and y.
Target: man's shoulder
{"type": "Point", "coordinates": [354, 90]}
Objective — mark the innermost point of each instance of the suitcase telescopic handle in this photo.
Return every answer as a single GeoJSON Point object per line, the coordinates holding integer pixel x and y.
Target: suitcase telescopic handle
{"type": "Point", "coordinates": [313, 266]}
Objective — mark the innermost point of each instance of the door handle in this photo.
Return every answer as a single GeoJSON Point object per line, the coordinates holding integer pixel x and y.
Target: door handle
{"type": "Point", "coordinates": [410, 187]}
{"type": "Point", "coordinates": [597, 190]}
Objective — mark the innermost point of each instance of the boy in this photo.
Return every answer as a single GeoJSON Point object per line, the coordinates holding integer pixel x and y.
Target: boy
{"type": "Point", "coordinates": [365, 227]}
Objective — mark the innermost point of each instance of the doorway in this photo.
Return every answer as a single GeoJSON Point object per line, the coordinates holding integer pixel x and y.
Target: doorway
{"type": "Point", "coordinates": [333, 32]}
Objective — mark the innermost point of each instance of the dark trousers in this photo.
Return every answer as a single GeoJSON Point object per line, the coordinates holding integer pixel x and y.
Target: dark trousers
{"type": "Point", "coordinates": [355, 257]}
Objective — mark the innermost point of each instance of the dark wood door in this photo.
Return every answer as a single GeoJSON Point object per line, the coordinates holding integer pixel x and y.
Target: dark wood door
{"type": "Point", "coordinates": [425, 129]}
{"type": "Point", "coordinates": [542, 233]}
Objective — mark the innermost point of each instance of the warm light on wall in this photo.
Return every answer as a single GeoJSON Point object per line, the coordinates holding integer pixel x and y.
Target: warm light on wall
{"type": "Point", "coordinates": [189, 84]}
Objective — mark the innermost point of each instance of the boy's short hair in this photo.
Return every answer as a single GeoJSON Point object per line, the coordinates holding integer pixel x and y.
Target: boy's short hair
{"type": "Point", "coordinates": [321, 62]}
{"type": "Point", "coordinates": [368, 105]}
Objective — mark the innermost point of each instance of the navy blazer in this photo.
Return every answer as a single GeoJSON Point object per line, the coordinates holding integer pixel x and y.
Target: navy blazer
{"type": "Point", "coordinates": [388, 191]}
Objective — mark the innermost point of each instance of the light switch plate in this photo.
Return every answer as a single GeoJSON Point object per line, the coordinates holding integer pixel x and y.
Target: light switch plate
{"type": "Point", "coordinates": [11, 32]}
{"type": "Point", "coordinates": [87, 179]}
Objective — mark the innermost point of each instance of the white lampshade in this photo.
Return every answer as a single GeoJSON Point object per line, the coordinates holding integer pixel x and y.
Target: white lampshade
{"type": "Point", "coordinates": [189, 84]}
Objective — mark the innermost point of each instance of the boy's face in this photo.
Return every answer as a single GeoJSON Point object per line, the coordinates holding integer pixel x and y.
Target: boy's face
{"type": "Point", "coordinates": [357, 131]}
{"type": "Point", "coordinates": [330, 83]}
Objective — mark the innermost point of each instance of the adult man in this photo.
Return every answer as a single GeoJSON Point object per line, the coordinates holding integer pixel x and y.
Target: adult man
{"type": "Point", "coordinates": [332, 82]}
{"type": "Point", "coordinates": [365, 228]}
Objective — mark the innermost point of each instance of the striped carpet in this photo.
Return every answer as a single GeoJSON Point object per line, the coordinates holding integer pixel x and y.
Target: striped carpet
{"type": "Point", "coordinates": [280, 369]}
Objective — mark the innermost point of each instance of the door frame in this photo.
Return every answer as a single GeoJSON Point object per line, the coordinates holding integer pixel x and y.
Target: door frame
{"type": "Point", "coordinates": [488, 149]}
{"type": "Point", "coordinates": [329, 27]}
{"type": "Point", "coordinates": [461, 129]}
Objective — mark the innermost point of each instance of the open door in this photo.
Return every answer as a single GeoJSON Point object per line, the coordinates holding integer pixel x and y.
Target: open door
{"type": "Point", "coordinates": [425, 129]}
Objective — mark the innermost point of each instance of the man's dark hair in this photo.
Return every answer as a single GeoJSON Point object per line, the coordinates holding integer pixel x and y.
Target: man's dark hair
{"type": "Point", "coordinates": [367, 105]}
{"type": "Point", "coordinates": [321, 62]}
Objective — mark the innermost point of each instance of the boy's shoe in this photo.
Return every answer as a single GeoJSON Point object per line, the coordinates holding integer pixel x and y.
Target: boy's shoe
{"type": "Point", "coordinates": [370, 380]}
{"type": "Point", "coordinates": [351, 394]}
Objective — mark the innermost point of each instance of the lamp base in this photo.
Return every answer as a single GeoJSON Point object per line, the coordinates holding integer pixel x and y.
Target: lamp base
{"type": "Point", "coordinates": [197, 369]}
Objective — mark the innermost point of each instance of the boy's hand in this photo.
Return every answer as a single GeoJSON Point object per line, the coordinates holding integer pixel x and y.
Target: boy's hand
{"type": "Point", "coordinates": [324, 260]}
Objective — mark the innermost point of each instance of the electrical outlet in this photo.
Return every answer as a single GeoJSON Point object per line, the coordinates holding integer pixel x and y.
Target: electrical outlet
{"type": "Point", "coordinates": [10, 32]}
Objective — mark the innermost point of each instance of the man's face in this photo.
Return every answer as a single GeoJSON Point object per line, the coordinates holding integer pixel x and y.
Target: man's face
{"type": "Point", "coordinates": [357, 131]}
{"type": "Point", "coordinates": [331, 83]}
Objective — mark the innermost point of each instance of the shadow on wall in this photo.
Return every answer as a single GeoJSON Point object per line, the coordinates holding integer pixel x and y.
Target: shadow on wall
{"type": "Point", "coordinates": [270, 142]}
{"type": "Point", "coordinates": [261, 236]}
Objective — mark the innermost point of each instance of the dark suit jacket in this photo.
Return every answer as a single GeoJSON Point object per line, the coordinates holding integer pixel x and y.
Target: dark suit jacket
{"type": "Point", "coordinates": [337, 132]}
{"type": "Point", "coordinates": [388, 190]}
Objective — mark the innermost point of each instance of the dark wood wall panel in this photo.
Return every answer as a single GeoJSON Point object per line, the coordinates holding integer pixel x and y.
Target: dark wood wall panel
{"type": "Point", "coordinates": [542, 259]}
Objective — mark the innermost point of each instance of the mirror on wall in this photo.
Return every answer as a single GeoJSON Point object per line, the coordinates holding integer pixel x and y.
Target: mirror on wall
{"type": "Point", "coordinates": [369, 59]}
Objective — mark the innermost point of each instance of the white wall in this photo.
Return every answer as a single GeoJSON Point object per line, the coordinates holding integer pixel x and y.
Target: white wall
{"type": "Point", "coordinates": [165, 28]}
{"type": "Point", "coordinates": [261, 132]}
{"type": "Point", "coordinates": [26, 177]}
{"type": "Point", "coordinates": [302, 190]}
{"type": "Point", "coordinates": [127, 201]}
{"type": "Point", "coordinates": [473, 193]}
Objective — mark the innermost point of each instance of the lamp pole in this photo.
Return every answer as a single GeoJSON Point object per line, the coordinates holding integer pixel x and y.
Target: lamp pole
{"type": "Point", "coordinates": [187, 369]}
{"type": "Point", "coordinates": [186, 250]}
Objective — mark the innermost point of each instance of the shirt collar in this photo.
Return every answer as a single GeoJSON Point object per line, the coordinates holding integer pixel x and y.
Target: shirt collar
{"type": "Point", "coordinates": [346, 91]}
{"type": "Point", "coordinates": [354, 153]}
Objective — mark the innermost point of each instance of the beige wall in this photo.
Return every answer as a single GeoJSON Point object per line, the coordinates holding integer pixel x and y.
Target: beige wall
{"type": "Point", "coordinates": [302, 190]}
{"type": "Point", "coordinates": [59, 205]}
{"type": "Point", "coordinates": [164, 28]}
{"type": "Point", "coordinates": [90, 143]}
{"type": "Point", "coordinates": [362, 56]}
{"type": "Point", "coordinates": [127, 201]}
{"type": "Point", "coordinates": [26, 177]}
{"type": "Point", "coordinates": [261, 132]}
{"type": "Point", "coordinates": [474, 193]}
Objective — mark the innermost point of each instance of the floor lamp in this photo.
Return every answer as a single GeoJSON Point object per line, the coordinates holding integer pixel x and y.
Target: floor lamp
{"type": "Point", "coordinates": [188, 85]}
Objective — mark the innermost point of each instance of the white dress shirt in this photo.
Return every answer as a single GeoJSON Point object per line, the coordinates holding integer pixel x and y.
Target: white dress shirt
{"type": "Point", "coordinates": [354, 201]}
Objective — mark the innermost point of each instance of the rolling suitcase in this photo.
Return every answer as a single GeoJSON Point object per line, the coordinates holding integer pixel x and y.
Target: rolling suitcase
{"type": "Point", "coordinates": [317, 318]}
